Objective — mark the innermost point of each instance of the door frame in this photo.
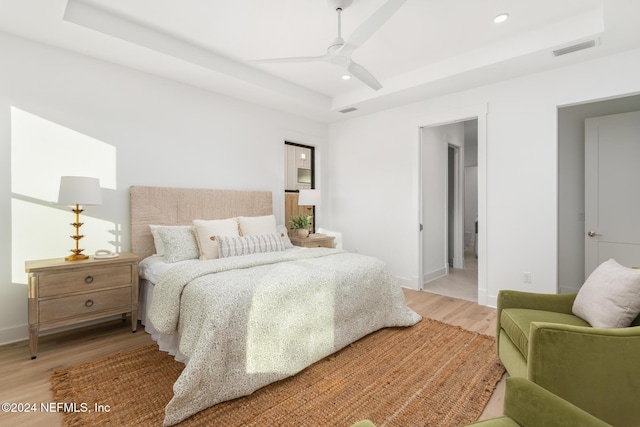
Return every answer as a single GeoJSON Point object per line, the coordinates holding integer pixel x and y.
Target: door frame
{"type": "Point", "coordinates": [478, 112]}
{"type": "Point", "coordinates": [457, 225]}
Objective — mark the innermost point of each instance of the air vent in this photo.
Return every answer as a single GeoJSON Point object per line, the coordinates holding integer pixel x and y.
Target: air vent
{"type": "Point", "coordinates": [575, 48]}
{"type": "Point", "coordinates": [348, 110]}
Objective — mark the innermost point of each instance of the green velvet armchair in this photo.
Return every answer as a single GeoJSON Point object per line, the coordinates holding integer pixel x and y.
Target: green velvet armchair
{"type": "Point", "coordinates": [596, 369]}
{"type": "Point", "coordinates": [528, 405]}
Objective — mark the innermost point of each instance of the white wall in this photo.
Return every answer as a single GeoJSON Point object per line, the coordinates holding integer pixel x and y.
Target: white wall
{"type": "Point", "coordinates": [373, 162]}
{"type": "Point", "coordinates": [164, 133]}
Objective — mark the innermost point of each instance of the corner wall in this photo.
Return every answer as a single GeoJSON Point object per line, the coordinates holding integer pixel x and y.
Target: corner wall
{"type": "Point", "coordinates": [374, 187]}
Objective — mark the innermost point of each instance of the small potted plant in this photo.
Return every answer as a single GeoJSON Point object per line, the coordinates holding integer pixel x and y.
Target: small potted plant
{"type": "Point", "coordinates": [301, 223]}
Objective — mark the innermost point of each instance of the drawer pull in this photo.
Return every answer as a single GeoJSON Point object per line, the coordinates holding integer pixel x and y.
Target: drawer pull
{"type": "Point", "coordinates": [88, 279]}
{"type": "Point", "coordinates": [88, 303]}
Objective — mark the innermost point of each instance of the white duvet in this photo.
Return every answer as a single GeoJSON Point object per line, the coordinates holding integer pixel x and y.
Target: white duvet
{"type": "Point", "coordinates": [248, 321]}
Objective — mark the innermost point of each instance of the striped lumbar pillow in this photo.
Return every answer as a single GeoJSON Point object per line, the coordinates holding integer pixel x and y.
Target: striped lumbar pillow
{"type": "Point", "coordinates": [246, 245]}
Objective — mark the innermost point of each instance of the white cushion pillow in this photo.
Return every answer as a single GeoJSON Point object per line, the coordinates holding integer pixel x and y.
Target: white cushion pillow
{"type": "Point", "coordinates": [246, 245]}
{"type": "Point", "coordinates": [257, 225]}
{"type": "Point", "coordinates": [610, 297]}
{"type": "Point", "coordinates": [157, 240]}
{"type": "Point", "coordinates": [179, 243]}
{"type": "Point", "coordinates": [206, 230]}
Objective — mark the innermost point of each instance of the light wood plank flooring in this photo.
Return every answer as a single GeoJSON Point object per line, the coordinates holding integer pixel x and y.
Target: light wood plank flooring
{"type": "Point", "coordinates": [27, 381]}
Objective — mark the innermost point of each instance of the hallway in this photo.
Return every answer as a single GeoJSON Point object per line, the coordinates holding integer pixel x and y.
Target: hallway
{"type": "Point", "coordinates": [460, 283]}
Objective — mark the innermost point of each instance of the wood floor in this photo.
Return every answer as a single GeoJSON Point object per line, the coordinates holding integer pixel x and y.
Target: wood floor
{"type": "Point", "coordinates": [27, 381]}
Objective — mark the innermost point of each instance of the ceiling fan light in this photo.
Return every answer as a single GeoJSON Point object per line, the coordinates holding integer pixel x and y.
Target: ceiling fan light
{"type": "Point", "coordinates": [346, 77]}
{"type": "Point", "coordinates": [501, 18]}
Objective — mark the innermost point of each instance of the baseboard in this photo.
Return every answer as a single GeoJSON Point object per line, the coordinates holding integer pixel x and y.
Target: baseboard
{"type": "Point", "coordinates": [14, 334]}
{"type": "Point", "coordinates": [492, 300]}
{"type": "Point", "coordinates": [413, 283]}
{"type": "Point", "coordinates": [433, 275]}
{"type": "Point", "coordinates": [458, 263]}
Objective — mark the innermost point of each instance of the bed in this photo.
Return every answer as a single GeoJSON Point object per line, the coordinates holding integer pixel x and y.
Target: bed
{"type": "Point", "coordinates": [242, 322]}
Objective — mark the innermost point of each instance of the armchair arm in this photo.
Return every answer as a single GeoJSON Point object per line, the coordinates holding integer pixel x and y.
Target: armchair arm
{"type": "Point", "coordinates": [530, 405]}
{"type": "Point", "coordinates": [595, 369]}
{"type": "Point", "coordinates": [559, 303]}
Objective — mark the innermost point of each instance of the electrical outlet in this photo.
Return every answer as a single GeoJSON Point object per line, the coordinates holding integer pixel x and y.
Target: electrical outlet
{"type": "Point", "coordinates": [526, 277]}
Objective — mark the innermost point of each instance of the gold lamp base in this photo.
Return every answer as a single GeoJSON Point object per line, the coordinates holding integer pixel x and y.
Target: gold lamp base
{"type": "Point", "coordinates": [76, 257]}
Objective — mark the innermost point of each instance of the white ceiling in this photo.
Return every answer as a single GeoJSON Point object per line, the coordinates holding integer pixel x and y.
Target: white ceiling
{"type": "Point", "coordinates": [427, 48]}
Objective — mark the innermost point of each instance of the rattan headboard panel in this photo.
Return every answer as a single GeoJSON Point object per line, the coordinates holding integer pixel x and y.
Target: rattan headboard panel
{"type": "Point", "coordinates": [180, 206]}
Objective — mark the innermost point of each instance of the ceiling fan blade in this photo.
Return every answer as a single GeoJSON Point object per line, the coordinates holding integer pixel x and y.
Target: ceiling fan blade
{"type": "Point", "coordinates": [371, 25]}
{"type": "Point", "coordinates": [294, 59]}
{"type": "Point", "coordinates": [361, 73]}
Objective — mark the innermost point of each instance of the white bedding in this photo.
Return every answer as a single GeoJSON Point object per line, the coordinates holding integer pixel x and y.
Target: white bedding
{"type": "Point", "coordinates": [152, 268]}
{"type": "Point", "coordinates": [248, 321]}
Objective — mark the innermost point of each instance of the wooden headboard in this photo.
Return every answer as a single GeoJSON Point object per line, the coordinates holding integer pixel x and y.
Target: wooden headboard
{"type": "Point", "coordinates": [180, 206]}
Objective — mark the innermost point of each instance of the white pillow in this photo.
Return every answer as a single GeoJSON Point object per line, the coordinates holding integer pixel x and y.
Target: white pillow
{"type": "Point", "coordinates": [206, 230]}
{"type": "Point", "coordinates": [257, 225]}
{"type": "Point", "coordinates": [246, 245]}
{"type": "Point", "coordinates": [179, 243]}
{"type": "Point", "coordinates": [610, 297]}
{"type": "Point", "coordinates": [157, 240]}
{"type": "Point", "coordinates": [282, 230]}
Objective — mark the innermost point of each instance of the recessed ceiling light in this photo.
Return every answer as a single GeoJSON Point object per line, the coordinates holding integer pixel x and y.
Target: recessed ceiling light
{"type": "Point", "coordinates": [501, 18]}
{"type": "Point", "coordinates": [346, 77]}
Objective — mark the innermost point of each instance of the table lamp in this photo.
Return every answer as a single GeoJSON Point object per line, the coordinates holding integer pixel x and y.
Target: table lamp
{"type": "Point", "coordinates": [78, 190]}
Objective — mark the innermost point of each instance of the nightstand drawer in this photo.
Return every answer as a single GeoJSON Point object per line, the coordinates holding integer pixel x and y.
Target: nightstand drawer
{"type": "Point", "coordinates": [313, 244]}
{"type": "Point", "coordinates": [63, 293]}
{"type": "Point", "coordinates": [80, 280]}
{"type": "Point", "coordinates": [81, 304]}
{"type": "Point", "coordinates": [314, 241]}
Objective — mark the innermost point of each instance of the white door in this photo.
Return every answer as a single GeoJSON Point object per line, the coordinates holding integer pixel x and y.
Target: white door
{"type": "Point", "coordinates": [612, 190]}
{"type": "Point", "coordinates": [434, 204]}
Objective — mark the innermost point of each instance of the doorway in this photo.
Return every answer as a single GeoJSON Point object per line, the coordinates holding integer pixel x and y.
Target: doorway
{"type": "Point", "coordinates": [612, 226]}
{"type": "Point", "coordinates": [449, 170]}
{"type": "Point", "coordinates": [571, 183]}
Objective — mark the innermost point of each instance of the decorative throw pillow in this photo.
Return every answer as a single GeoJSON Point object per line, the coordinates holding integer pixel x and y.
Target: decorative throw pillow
{"type": "Point", "coordinates": [610, 297]}
{"type": "Point", "coordinates": [206, 230]}
{"type": "Point", "coordinates": [179, 243]}
{"type": "Point", "coordinates": [246, 245]}
{"type": "Point", "coordinates": [284, 233]}
{"type": "Point", "coordinates": [157, 240]}
{"type": "Point", "coordinates": [257, 225]}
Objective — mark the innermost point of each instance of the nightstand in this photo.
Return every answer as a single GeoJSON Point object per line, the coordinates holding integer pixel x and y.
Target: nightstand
{"type": "Point", "coordinates": [63, 293]}
{"type": "Point", "coordinates": [313, 241]}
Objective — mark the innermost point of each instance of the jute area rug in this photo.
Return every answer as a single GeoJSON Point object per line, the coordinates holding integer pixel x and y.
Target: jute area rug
{"type": "Point", "coordinates": [430, 374]}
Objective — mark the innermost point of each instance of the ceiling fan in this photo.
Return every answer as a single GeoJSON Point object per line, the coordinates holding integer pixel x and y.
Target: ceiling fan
{"type": "Point", "coordinates": [339, 51]}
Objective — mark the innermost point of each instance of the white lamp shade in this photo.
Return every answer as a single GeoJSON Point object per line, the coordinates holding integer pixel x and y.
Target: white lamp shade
{"type": "Point", "coordinates": [79, 190]}
{"type": "Point", "coordinates": [309, 198]}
